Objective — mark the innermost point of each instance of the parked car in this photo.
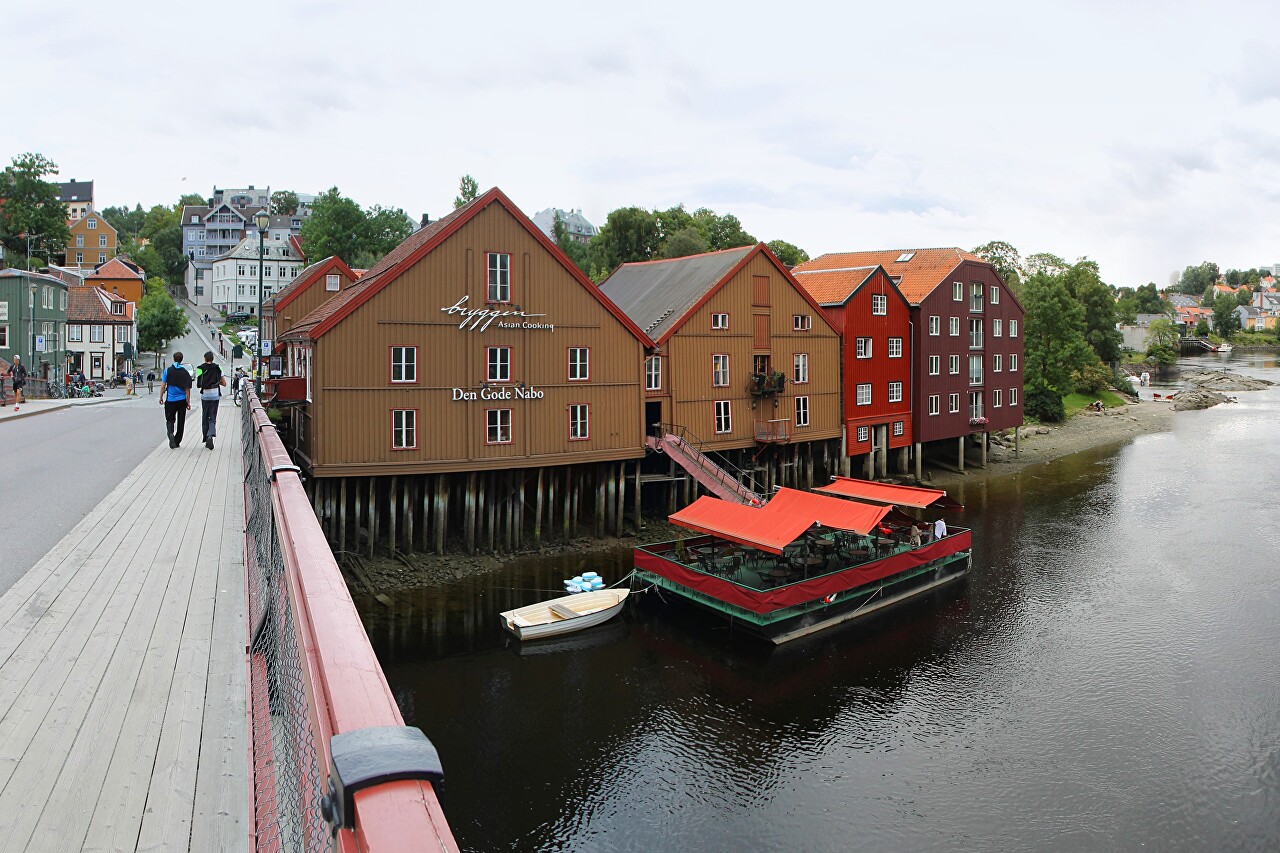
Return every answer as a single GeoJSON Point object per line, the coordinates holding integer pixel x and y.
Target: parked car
{"type": "Point", "coordinates": [237, 318]}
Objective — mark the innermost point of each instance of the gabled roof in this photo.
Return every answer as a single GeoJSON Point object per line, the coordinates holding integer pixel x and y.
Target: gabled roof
{"type": "Point", "coordinates": [421, 243]}
{"type": "Point", "coordinates": [247, 250]}
{"type": "Point", "coordinates": [830, 288]}
{"type": "Point", "coordinates": [310, 274]}
{"type": "Point", "coordinates": [916, 271]}
{"type": "Point", "coordinates": [93, 305]}
{"type": "Point", "coordinates": [661, 295]}
{"type": "Point", "coordinates": [75, 191]}
{"type": "Point", "coordinates": [115, 268]}
{"type": "Point", "coordinates": [188, 210]}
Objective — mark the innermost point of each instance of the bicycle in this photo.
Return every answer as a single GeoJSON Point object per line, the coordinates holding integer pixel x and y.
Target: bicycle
{"type": "Point", "coordinates": [55, 391]}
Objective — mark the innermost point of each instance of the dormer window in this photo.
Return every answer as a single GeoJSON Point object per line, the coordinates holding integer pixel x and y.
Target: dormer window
{"type": "Point", "coordinates": [117, 308]}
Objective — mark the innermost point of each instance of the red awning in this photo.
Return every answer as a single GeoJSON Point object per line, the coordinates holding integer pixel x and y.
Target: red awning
{"type": "Point", "coordinates": [745, 525]}
{"type": "Point", "coordinates": [884, 493]}
{"type": "Point", "coordinates": [780, 522]}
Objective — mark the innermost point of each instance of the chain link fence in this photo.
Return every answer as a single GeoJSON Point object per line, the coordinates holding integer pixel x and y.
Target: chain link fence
{"type": "Point", "coordinates": [286, 772]}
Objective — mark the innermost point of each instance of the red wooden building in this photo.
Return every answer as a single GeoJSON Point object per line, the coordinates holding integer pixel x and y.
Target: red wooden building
{"type": "Point", "coordinates": [966, 341]}
{"type": "Point", "coordinates": [875, 320]}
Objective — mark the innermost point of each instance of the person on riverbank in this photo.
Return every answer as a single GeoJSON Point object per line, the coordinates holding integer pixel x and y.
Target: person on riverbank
{"type": "Point", "coordinates": [18, 372]}
{"type": "Point", "coordinates": [175, 396]}
{"type": "Point", "coordinates": [209, 380]}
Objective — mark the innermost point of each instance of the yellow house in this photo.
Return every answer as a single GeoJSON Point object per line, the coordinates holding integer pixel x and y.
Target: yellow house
{"type": "Point", "coordinates": [92, 241]}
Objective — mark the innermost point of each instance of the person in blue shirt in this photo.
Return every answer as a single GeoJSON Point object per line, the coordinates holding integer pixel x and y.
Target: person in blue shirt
{"type": "Point", "coordinates": [175, 396]}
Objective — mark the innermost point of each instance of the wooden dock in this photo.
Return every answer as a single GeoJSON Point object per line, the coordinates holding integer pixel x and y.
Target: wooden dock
{"type": "Point", "coordinates": [123, 723]}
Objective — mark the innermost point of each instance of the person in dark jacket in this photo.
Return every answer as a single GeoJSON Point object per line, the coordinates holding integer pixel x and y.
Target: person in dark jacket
{"type": "Point", "coordinates": [209, 381]}
{"type": "Point", "coordinates": [18, 371]}
{"type": "Point", "coordinates": [175, 396]}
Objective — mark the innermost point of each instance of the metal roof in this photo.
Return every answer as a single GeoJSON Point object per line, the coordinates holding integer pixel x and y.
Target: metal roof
{"type": "Point", "coordinates": [657, 294]}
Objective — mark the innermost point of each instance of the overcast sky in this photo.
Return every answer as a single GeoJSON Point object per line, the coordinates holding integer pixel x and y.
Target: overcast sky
{"type": "Point", "coordinates": [1144, 135]}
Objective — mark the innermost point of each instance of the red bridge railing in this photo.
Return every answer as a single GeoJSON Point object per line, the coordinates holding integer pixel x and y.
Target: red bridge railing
{"type": "Point", "coordinates": [312, 676]}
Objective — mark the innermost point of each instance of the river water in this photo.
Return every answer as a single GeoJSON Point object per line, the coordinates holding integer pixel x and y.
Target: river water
{"type": "Point", "coordinates": [1108, 678]}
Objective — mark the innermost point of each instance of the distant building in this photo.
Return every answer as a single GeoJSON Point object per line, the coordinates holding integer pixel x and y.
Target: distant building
{"type": "Point", "coordinates": [101, 332]}
{"type": "Point", "coordinates": [1137, 335]}
{"type": "Point", "coordinates": [22, 295]}
{"type": "Point", "coordinates": [1181, 300]}
{"type": "Point", "coordinates": [91, 241]}
{"type": "Point", "coordinates": [233, 281]}
{"type": "Point", "coordinates": [77, 198]}
{"type": "Point", "coordinates": [119, 276]}
{"type": "Point", "coordinates": [576, 225]}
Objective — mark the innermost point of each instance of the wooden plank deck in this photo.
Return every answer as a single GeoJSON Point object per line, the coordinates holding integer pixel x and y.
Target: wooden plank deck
{"type": "Point", "coordinates": [122, 671]}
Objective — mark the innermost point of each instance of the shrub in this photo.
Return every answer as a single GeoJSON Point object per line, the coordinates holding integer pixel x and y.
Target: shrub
{"type": "Point", "coordinates": [1092, 378]}
{"type": "Point", "coordinates": [1043, 404]}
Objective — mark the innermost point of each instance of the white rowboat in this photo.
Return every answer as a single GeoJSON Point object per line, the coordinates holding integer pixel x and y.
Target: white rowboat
{"type": "Point", "coordinates": [564, 615]}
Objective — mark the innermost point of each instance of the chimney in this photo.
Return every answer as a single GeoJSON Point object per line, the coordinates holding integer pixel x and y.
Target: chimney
{"type": "Point", "coordinates": [426, 219]}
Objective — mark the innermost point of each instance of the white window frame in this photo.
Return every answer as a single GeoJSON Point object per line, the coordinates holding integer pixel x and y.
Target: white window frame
{"type": "Point", "coordinates": [935, 365]}
{"type": "Point", "coordinates": [723, 413]}
{"type": "Point", "coordinates": [406, 363]}
{"type": "Point", "coordinates": [580, 369]}
{"type": "Point", "coordinates": [102, 241]}
{"type": "Point", "coordinates": [800, 368]}
{"type": "Point", "coordinates": [953, 365]}
{"type": "Point", "coordinates": [497, 426]}
{"type": "Point", "coordinates": [404, 434]}
{"type": "Point", "coordinates": [122, 334]}
{"type": "Point", "coordinates": [720, 322]}
{"type": "Point", "coordinates": [97, 334]}
{"type": "Point", "coordinates": [653, 373]}
{"type": "Point", "coordinates": [975, 333]}
{"type": "Point", "coordinates": [1013, 362]}
{"type": "Point", "coordinates": [997, 327]}
{"type": "Point", "coordinates": [332, 282]}
{"type": "Point", "coordinates": [995, 295]}
{"type": "Point", "coordinates": [75, 333]}
{"type": "Point", "coordinates": [801, 322]}
{"type": "Point", "coordinates": [719, 370]}
{"type": "Point", "coordinates": [498, 369]}
{"type": "Point", "coordinates": [957, 291]}
{"type": "Point", "coordinates": [862, 348]}
{"type": "Point", "coordinates": [953, 402]}
{"type": "Point", "coordinates": [895, 347]}
{"type": "Point", "coordinates": [499, 280]}
{"type": "Point", "coordinates": [975, 297]}
{"type": "Point", "coordinates": [899, 428]}
{"type": "Point", "coordinates": [953, 326]}
{"type": "Point", "coordinates": [91, 223]}
{"type": "Point", "coordinates": [1013, 328]}
{"type": "Point", "coordinates": [802, 411]}
{"type": "Point", "coordinates": [895, 392]}
{"type": "Point", "coordinates": [863, 392]}
{"type": "Point", "coordinates": [879, 305]}
{"type": "Point", "coordinates": [975, 371]}
{"type": "Point", "coordinates": [864, 434]}
{"type": "Point", "coordinates": [1013, 396]}
{"type": "Point", "coordinates": [935, 325]}
{"type": "Point", "coordinates": [933, 404]}
{"type": "Point", "coordinates": [996, 395]}
{"type": "Point", "coordinates": [579, 421]}
{"type": "Point", "coordinates": [997, 362]}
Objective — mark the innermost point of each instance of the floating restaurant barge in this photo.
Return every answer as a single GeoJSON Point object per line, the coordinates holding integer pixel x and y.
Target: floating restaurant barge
{"type": "Point", "coordinates": [805, 562]}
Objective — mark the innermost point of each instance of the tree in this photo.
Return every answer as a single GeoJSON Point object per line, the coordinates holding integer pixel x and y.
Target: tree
{"type": "Point", "coordinates": [673, 220]}
{"type": "Point", "coordinates": [1225, 320]}
{"type": "Point", "coordinates": [284, 203]}
{"type": "Point", "coordinates": [1045, 262]}
{"type": "Point", "coordinates": [575, 250]}
{"type": "Point", "coordinates": [1198, 278]}
{"type": "Point", "coordinates": [788, 253]}
{"type": "Point", "coordinates": [1244, 296]}
{"type": "Point", "coordinates": [1084, 282]}
{"type": "Point", "coordinates": [685, 242]}
{"type": "Point", "coordinates": [384, 229]}
{"type": "Point", "coordinates": [190, 200]}
{"type": "Point", "coordinates": [468, 189]}
{"type": "Point", "coordinates": [128, 223]}
{"type": "Point", "coordinates": [1149, 301]}
{"type": "Point", "coordinates": [628, 234]}
{"type": "Point", "coordinates": [1127, 310]}
{"type": "Point", "coordinates": [31, 207]}
{"type": "Point", "coordinates": [159, 318]}
{"type": "Point", "coordinates": [721, 232]}
{"type": "Point", "coordinates": [1055, 333]}
{"type": "Point", "coordinates": [1202, 328]}
{"type": "Point", "coordinates": [334, 227]}
{"type": "Point", "coordinates": [1005, 258]}
{"type": "Point", "coordinates": [1162, 333]}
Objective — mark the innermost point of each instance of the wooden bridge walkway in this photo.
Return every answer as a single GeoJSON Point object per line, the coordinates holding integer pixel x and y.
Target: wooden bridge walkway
{"type": "Point", "coordinates": [122, 667]}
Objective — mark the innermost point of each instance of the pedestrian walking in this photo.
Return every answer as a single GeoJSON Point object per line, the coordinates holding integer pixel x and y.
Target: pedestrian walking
{"type": "Point", "coordinates": [18, 372]}
{"type": "Point", "coordinates": [209, 381]}
{"type": "Point", "coordinates": [175, 396]}
{"type": "Point", "coordinates": [151, 382]}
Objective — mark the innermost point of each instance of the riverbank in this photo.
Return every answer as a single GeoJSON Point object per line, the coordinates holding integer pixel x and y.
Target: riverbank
{"type": "Point", "coordinates": [1038, 444]}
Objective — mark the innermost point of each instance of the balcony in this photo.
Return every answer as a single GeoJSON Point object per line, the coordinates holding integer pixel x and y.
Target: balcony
{"type": "Point", "coordinates": [766, 384]}
{"type": "Point", "coordinates": [776, 431]}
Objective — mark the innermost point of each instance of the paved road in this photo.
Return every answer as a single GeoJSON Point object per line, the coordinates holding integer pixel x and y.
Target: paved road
{"type": "Point", "coordinates": [56, 466]}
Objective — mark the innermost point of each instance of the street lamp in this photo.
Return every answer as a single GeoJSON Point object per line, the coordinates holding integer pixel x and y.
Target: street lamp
{"type": "Point", "coordinates": [31, 352]}
{"type": "Point", "coordinates": [262, 219]}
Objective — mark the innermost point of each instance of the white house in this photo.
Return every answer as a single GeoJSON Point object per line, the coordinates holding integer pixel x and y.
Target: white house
{"type": "Point", "coordinates": [102, 332]}
{"type": "Point", "coordinates": [234, 275]}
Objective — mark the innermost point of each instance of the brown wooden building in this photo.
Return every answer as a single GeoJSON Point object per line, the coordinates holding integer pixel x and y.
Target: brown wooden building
{"type": "Point", "coordinates": [120, 276]}
{"type": "Point", "coordinates": [744, 359]}
{"type": "Point", "coordinates": [475, 359]}
{"type": "Point", "coordinates": [314, 285]}
{"type": "Point", "coordinates": [875, 319]}
{"type": "Point", "coordinates": [91, 241]}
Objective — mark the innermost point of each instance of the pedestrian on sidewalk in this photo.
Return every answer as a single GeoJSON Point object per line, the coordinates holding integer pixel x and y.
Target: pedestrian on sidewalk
{"type": "Point", "coordinates": [151, 380]}
{"type": "Point", "coordinates": [18, 371]}
{"type": "Point", "coordinates": [209, 380]}
{"type": "Point", "coordinates": [175, 396]}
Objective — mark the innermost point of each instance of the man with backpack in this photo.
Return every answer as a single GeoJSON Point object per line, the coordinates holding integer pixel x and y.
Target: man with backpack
{"type": "Point", "coordinates": [175, 396]}
{"type": "Point", "coordinates": [209, 381]}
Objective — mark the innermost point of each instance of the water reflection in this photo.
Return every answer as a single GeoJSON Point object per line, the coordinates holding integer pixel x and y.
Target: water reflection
{"type": "Point", "coordinates": [1105, 679]}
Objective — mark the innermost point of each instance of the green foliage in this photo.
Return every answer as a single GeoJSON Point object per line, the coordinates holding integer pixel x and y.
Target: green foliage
{"type": "Point", "coordinates": [1244, 296]}
{"type": "Point", "coordinates": [1073, 403]}
{"type": "Point", "coordinates": [159, 319]}
{"type": "Point", "coordinates": [128, 223]}
{"type": "Point", "coordinates": [1149, 301]}
{"type": "Point", "coordinates": [685, 242]}
{"type": "Point", "coordinates": [1225, 320]}
{"type": "Point", "coordinates": [1084, 282]}
{"type": "Point", "coordinates": [1202, 328]}
{"type": "Point", "coordinates": [1197, 279]}
{"type": "Point", "coordinates": [1092, 378]}
{"type": "Point", "coordinates": [337, 226]}
{"type": "Point", "coordinates": [1046, 263]}
{"type": "Point", "coordinates": [1254, 339]}
{"type": "Point", "coordinates": [629, 234]}
{"type": "Point", "coordinates": [1043, 403]}
{"type": "Point", "coordinates": [190, 199]}
{"type": "Point", "coordinates": [1055, 333]}
{"type": "Point", "coordinates": [788, 253]}
{"type": "Point", "coordinates": [468, 189]}
{"type": "Point", "coordinates": [721, 232]}
{"type": "Point", "coordinates": [1005, 258]}
{"type": "Point", "coordinates": [1127, 310]}
{"type": "Point", "coordinates": [31, 207]}
{"type": "Point", "coordinates": [284, 203]}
